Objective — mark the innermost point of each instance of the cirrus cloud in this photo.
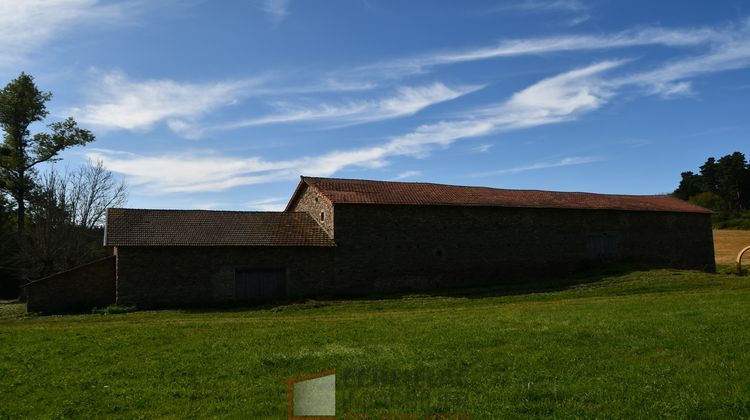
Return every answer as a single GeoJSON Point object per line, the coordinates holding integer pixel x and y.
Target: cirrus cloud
{"type": "Point", "coordinates": [551, 100]}
{"type": "Point", "coordinates": [116, 102]}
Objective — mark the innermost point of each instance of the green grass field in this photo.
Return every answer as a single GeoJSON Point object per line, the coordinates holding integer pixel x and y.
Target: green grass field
{"type": "Point", "coordinates": [643, 344]}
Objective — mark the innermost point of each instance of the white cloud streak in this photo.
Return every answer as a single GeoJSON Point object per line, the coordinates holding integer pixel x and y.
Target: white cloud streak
{"type": "Point", "coordinates": [407, 101]}
{"type": "Point", "coordinates": [26, 25]}
{"type": "Point", "coordinates": [548, 6]}
{"type": "Point", "coordinates": [277, 10]}
{"type": "Point", "coordinates": [536, 46]}
{"type": "Point", "coordinates": [407, 175]}
{"type": "Point", "coordinates": [482, 148]}
{"type": "Point", "coordinates": [555, 99]}
{"type": "Point", "coordinates": [120, 103]}
{"type": "Point", "coordinates": [560, 98]}
{"type": "Point", "coordinates": [568, 161]}
{"type": "Point", "coordinates": [268, 204]}
{"type": "Point", "coordinates": [668, 79]}
{"type": "Point", "coordinates": [545, 6]}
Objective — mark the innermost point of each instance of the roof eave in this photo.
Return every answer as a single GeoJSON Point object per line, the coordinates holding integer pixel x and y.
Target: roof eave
{"type": "Point", "coordinates": [698, 210]}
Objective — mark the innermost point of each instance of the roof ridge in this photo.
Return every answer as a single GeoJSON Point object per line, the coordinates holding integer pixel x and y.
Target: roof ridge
{"type": "Point", "coordinates": [365, 191]}
{"type": "Point", "coordinates": [374, 181]}
{"type": "Point", "coordinates": [205, 210]}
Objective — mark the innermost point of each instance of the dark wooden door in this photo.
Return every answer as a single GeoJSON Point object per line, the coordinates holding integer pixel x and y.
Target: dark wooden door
{"type": "Point", "coordinates": [605, 246]}
{"type": "Point", "coordinates": [260, 285]}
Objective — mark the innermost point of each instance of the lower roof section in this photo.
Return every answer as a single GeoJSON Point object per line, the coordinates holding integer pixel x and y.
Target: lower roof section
{"type": "Point", "coordinates": [139, 227]}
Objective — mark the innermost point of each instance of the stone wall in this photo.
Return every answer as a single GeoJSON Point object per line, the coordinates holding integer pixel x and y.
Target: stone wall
{"type": "Point", "coordinates": [199, 276]}
{"type": "Point", "coordinates": [391, 248]}
{"type": "Point", "coordinates": [312, 202]}
{"type": "Point", "coordinates": [82, 288]}
{"type": "Point", "coordinates": [383, 248]}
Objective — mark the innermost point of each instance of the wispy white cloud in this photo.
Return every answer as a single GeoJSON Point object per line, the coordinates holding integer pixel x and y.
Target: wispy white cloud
{"type": "Point", "coordinates": [545, 5]}
{"type": "Point", "coordinates": [482, 148]}
{"type": "Point", "coordinates": [27, 25]}
{"type": "Point", "coordinates": [517, 47]}
{"type": "Point", "coordinates": [117, 102]}
{"type": "Point", "coordinates": [560, 98]}
{"type": "Point", "coordinates": [407, 175]}
{"type": "Point", "coordinates": [268, 204]}
{"type": "Point", "coordinates": [555, 99]}
{"type": "Point", "coordinates": [733, 52]}
{"type": "Point", "coordinates": [577, 20]}
{"type": "Point", "coordinates": [407, 101]}
{"type": "Point", "coordinates": [327, 84]}
{"type": "Point", "coordinates": [578, 8]}
{"type": "Point", "coordinates": [277, 10]}
{"type": "Point", "coordinates": [190, 172]}
{"type": "Point", "coordinates": [635, 142]}
{"type": "Point", "coordinates": [568, 161]}
{"type": "Point", "coordinates": [713, 131]}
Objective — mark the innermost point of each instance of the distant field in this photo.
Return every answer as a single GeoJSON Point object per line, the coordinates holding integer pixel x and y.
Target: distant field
{"type": "Point", "coordinates": [727, 243]}
{"type": "Point", "coordinates": [662, 343]}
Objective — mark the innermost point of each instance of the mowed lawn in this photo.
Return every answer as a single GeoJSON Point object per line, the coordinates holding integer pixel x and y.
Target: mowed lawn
{"type": "Point", "coordinates": [642, 344]}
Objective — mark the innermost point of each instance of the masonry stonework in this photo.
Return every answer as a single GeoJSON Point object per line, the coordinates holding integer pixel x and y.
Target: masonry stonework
{"type": "Point", "coordinates": [317, 206]}
{"type": "Point", "coordinates": [82, 288]}
{"type": "Point", "coordinates": [390, 248]}
{"type": "Point", "coordinates": [152, 277]}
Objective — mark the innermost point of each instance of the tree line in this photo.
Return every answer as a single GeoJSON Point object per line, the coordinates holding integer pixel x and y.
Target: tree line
{"type": "Point", "coordinates": [50, 219]}
{"type": "Point", "coordinates": [722, 185]}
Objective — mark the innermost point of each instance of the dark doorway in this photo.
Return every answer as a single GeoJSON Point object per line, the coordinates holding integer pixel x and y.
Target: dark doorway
{"type": "Point", "coordinates": [604, 246]}
{"type": "Point", "coordinates": [260, 285]}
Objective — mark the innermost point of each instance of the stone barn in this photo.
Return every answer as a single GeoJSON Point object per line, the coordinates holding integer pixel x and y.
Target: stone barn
{"type": "Point", "coordinates": [342, 237]}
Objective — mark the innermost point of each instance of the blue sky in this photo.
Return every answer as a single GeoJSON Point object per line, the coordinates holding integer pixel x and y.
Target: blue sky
{"type": "Point", "coordinates": [223, 104]}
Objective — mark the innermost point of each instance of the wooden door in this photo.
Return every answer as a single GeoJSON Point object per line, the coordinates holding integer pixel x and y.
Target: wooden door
{"type": "Point", "coordinates": [254, 285]}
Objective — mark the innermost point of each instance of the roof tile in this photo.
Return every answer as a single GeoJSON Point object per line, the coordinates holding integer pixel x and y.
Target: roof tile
{"type": "Point", "coordinates": [136, 227]}
{"type": "Point", "coordinates": [354, 191]}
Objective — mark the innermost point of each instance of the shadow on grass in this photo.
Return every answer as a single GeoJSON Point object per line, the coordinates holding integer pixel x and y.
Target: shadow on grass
{"type": "Point", "coordinates": [522, 285]}
{"type": "Point", "coordinates": [510, 288]}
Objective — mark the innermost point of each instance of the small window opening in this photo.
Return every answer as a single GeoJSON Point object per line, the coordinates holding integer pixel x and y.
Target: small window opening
{"type": "Point", "coordinates": [322, 216]}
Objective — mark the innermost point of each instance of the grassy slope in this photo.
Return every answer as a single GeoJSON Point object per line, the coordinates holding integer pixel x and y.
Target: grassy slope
{"type": "Point", "coordinates": [637, 345]}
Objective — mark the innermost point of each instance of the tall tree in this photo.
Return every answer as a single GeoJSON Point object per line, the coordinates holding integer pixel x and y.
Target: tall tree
{"type": "Point", "coordinates": [66, 218]}
{"type": "Point", "coordinates": [732, 180]}
{"type": "Point", "coordinates": [723, 185]}
{"type": "Point", "coordinates": [708, 176]}
{"type": "Point", "coordinates": [22, 104]}
{"type": "Point", "coordinates": [691, 184]}
{"type": "Point", "coordinates": [9, 273]}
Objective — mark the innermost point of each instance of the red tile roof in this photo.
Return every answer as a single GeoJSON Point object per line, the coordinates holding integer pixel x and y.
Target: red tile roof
{"type": "Point", "coordinates": [134, 227]}
{"type": "Point", "coordinates": [355, 191]}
